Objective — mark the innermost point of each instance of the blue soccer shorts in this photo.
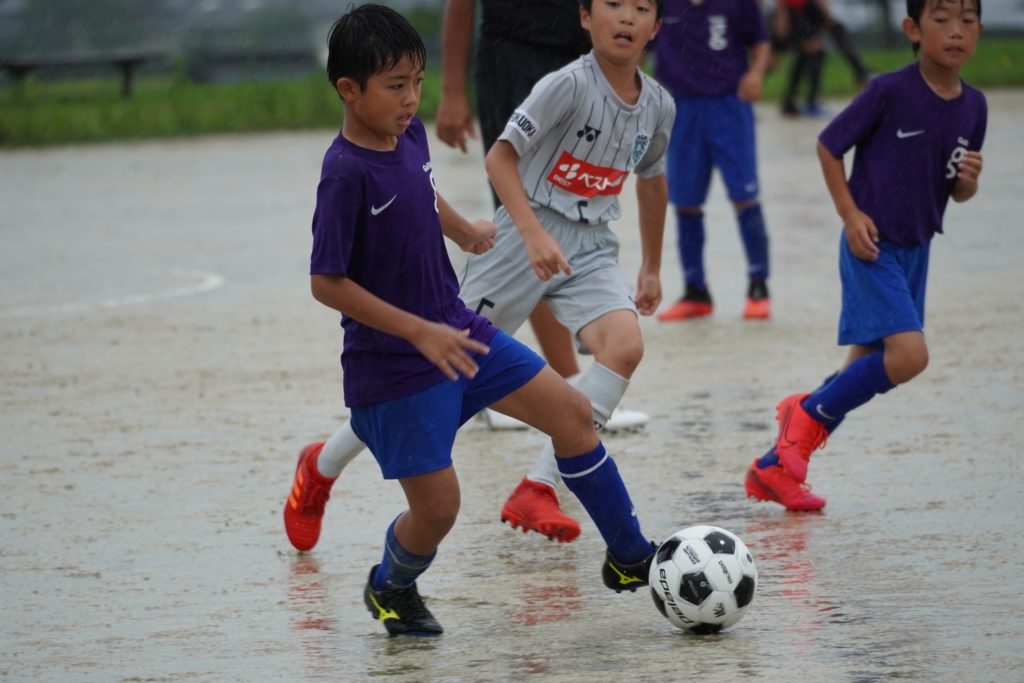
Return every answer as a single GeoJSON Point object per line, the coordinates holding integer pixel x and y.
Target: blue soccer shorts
{"type": "Point", "coordinates": [414, 434]}
{"type": "Point", "coordinates": [711, 132]}
{"type": "Point", "coordinates": [882, 297]}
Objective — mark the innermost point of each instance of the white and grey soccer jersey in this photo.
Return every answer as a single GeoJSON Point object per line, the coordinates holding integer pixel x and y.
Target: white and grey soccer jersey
{"type": "Point", "coordinates": [578, 141]}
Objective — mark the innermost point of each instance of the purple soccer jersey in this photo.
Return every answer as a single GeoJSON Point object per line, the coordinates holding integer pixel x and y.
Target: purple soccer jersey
{"type": "Point", "coordinates": [910, 143]}
{"type": "Point", "coordinates": [701, 49]}
{"type": "Point", "coordinates": [376, 222]}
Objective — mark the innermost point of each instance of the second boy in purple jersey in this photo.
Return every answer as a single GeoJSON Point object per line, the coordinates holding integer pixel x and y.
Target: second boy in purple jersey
{"type": "Point", "coordinates": [918, 134]}
{"type": "Point", "coordinates": [712, 55]}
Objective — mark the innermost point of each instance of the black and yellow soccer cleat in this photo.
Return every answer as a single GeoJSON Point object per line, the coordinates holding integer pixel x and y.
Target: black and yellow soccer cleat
{"type": "Point", "coordinates": [401, 610]}
{"type": "Point", "coordinates": [626, 577]}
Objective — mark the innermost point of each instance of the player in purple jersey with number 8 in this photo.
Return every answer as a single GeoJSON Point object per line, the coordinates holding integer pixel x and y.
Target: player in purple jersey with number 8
{"type": "Point", "coordinates": [417, 363]}
{"type": "Point", "coordinates": [918, 133]}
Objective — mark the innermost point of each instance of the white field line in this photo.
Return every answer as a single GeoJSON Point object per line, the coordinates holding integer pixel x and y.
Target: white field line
{"type": "Point", "coordinates": [205, 282]}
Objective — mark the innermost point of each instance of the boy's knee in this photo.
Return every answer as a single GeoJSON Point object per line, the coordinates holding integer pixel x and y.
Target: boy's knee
{"type": "Point", "coordinates": [628, 354]}
{"type": "Point", "coordinates": [441, 513]}
{"type": "Point", "coordinates": [907, 364]}
{"type": "Point", "coordinates": [581, 412]}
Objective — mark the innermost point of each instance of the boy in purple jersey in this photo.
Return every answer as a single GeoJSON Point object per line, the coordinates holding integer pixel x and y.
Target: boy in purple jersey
{"type": "Point", "coordinates": [917, 132]}
{"type": "Point", "coordinates": [712, 55]}
{"type": "Point", "coordinates": [417, 362]}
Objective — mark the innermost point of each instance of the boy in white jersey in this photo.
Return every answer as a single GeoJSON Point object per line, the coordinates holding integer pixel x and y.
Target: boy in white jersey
{"type": "Point", "coordinates": [558, 168]}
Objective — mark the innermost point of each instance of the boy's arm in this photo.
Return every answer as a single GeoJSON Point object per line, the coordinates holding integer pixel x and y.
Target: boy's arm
{"type": "Point", "coordinates": [752, 82]}
{"type": "Point", "coordinates": [861, 232]}
{"type": "Point", "coordinates": [444, 346]}
{"type": "Point", "coordinates": [454, 114]}
{"type": "Point", "coordinates": [542, 249]}
{"type": "Point", "coordinates": [652, 201]}
{"type": "Point", "coordinates": [475, 237]}
{"type": "Point", "coordinates": [966, 185]}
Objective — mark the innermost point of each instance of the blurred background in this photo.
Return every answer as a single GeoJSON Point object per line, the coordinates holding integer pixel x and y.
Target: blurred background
{"type": "Point", "coordinates": [93, 70]}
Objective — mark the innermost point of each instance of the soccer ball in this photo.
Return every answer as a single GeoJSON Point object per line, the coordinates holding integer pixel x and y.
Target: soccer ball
{"type": "Point", "coordinates": [703, 579]}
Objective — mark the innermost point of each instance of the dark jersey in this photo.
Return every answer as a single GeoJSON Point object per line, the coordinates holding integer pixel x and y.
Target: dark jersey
{"type": "Point", "coordinates": [554, 23]}
{"type": "Point", "coordinates": [909, 144]}
{"type": "Point", "coordinates": [376, 222]}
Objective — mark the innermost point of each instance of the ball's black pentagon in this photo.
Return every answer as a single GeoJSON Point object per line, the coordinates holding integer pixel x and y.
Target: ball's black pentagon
{"type": "Point", "coordinates": [659, 603]}
{"type": "Point", "coordinates": [720, 543]}
{"type": "Point", "coordinates": [667, 550]}
{"type": "Point", "coordinates": [705, 629]}
{"type": "Point", "coordinates": [744, 591]}
{"type": "Point", "coordinates": [694, 588]}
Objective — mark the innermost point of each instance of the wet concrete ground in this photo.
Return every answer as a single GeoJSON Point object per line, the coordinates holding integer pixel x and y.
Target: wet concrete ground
{"type": "Point", "coordinates": [162, 363]}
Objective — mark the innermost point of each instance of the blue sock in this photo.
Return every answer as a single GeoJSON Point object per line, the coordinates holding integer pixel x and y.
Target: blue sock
{"type": "Point", "coordinates": [770, 458]}
{"type": "Point", "coordinates": [594, 479]}
{"type": "Point", "coordinates": [398, 568]}
{"type": "Point", "coordinates": [755, 241]}
{"type": "Point", "coordinates": [690, 242]}
{"type": "Point", "coordinates": [853, 387]}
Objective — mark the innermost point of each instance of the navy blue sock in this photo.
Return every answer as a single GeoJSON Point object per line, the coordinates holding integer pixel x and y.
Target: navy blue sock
{"type": "Point", "coordinates": [690, 242]}
{"type": "Point", "coordinates": [853, 387]}
{"type": "Point", "coordinates": [594, 479]}
{"type": "Point", "coordinates": [755, 241]}
{"type": "Point", "coordinates": [398, 567]}
{"type": "Point", "coordinates": [770, 458]}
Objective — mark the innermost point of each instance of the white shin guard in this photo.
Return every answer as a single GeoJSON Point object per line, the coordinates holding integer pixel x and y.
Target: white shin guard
{"type": "Point", "coordinates": [605, 389]}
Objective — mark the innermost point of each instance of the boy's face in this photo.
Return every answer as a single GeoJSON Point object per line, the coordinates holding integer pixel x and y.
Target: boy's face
{"type": "Point", "coordinates": [621, 29]}
{"type": "Point", "coordinates": [947, 32]}
{"type": "Point", "coordinates": [389, 101]}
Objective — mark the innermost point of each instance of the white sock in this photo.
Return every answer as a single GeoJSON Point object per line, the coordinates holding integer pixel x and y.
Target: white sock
{"type": "Point", "coordinates": [339, 451]}
{"type": "Point", "coordinates": [605, 389]}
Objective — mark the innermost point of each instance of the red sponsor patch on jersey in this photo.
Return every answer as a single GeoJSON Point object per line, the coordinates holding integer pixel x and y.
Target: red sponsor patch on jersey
{"type": "Point", "coordinates": [577, 176]}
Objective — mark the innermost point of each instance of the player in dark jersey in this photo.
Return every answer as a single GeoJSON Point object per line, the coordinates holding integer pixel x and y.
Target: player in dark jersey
{"type": "Point", "coordinates": [417, 361]}
{"type": "Point", "coordinates": [918, 133]}
{"type": "Point", "coordinates": [712, 55]}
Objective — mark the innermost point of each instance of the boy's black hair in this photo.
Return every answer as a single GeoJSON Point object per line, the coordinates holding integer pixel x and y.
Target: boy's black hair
{"type": "Point", "coordinates": [369, 39]}
{"type": "Point", "coordinates": [659, 4]}
{"type": "Point", "coordinates": [915, 8]}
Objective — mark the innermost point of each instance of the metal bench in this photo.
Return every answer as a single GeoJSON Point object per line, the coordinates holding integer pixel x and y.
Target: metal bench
{"type": "Point", "coordinates": [125, 62]}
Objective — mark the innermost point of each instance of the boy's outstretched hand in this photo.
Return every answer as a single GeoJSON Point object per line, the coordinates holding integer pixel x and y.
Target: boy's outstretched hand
{"type": "Point", "coordinates": [448, 349]}
{"type": "Point", "coordinates": [648, 293]}
{"type": "Point", "coordinates": [861, 234]}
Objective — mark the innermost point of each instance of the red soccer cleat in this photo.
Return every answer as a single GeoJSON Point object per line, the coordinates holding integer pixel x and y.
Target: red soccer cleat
{"type": "Point", "coordinates": [534, 506]}
{"type": "Point", "coordinates": [757, 309]}
{"type": "Point", "coordinates": [684, 310]}
{"type": "Point", "coordinates": [304, 509]}
{"type": "Point", "coordinates": [773, 484]}
{"type": "Point", "coordinates": [799, 436]}
{"type": "Point", "coordinates": [759, 304]}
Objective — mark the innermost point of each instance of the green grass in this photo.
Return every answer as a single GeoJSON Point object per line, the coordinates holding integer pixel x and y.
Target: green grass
{"type": "Point", "coordinates": [49, 113]}
{"type": "Point", "coordinates": [996, 63]}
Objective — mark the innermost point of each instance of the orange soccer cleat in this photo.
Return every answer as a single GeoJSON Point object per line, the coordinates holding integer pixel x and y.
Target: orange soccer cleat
{"type": "Point", "coordinates": [304, 509]}
{"type": "Point", "coordinates": [799, 436]}
{"type": "Point", "coordinates": [774, 484]}
{"type": "Point", "coordinates": [759, 304]}
{"type": "Point", "coordinates": [696, 303]}
{"type": "Point", "coordinates": [534, 506]}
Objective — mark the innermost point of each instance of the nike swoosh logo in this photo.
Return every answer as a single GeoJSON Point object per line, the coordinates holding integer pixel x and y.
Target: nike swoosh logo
{"type": "Point", "coordinates": [823, 413]}
{"type": "Point", "coordinates": [909, 134]}
{"type": "Point", "coordinates": [375, 210]}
